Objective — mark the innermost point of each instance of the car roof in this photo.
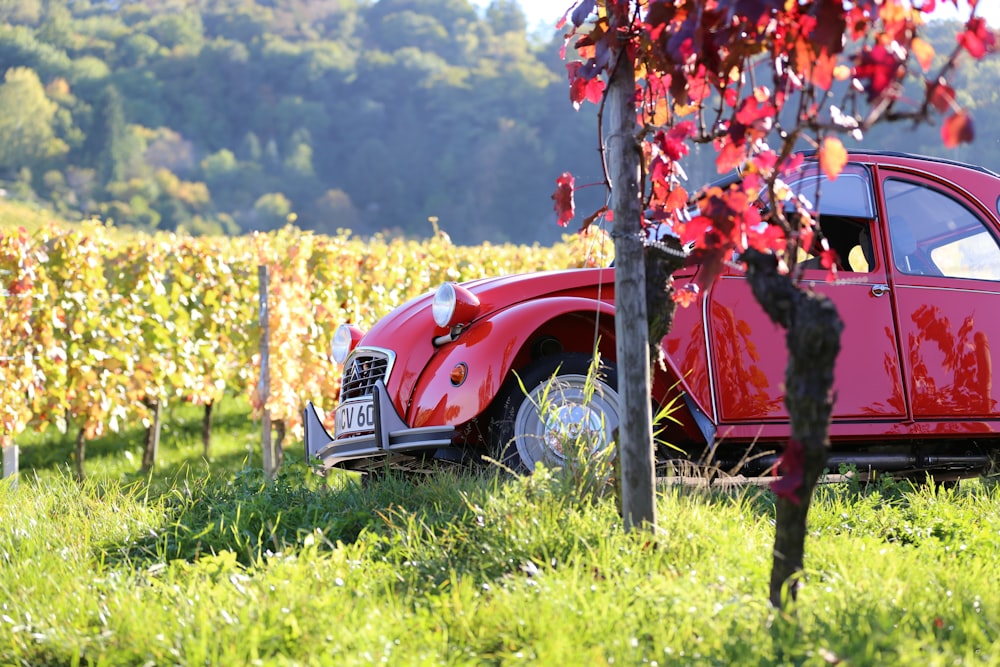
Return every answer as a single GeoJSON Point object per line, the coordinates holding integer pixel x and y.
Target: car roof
{"type": "Point", "coordinates": [978, 182]}
{"type": "Point", "coordinates": [899, 157]}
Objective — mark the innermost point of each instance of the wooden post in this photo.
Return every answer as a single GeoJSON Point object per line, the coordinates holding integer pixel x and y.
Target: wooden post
{"type": "Point", "coordinates": [265, 374]}
{"type": "Point", "coordinates": [152, 445]}
{"type": "Point", "coordinates": [635, 446]}
{"type": "Point", "coordinates": [10, 463]}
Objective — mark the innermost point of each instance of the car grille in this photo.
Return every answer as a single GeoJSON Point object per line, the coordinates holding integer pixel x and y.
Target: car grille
{"type": "Point", "coordinates": [363, 369]}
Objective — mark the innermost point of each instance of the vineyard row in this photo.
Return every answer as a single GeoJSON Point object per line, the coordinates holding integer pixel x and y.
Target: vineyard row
{"type": "Point", "coordinates": [99, 331]}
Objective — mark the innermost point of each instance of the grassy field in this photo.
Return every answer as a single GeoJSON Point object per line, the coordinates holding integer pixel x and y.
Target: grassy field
{"type": "Point", "coordinates": [208, 563]}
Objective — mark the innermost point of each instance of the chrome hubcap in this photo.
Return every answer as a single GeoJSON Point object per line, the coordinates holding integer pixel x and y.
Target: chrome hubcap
{"type": "Point", "coordinates": [559, 417]}
{"type": "Point", "coordinates": [569, 424]}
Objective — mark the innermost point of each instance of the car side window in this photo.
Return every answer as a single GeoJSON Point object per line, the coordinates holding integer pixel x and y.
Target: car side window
{"type": "Point", "coordinates": [931, 233]}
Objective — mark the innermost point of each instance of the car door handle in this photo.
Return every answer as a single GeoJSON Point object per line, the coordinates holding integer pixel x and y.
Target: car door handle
{"type": "Point", "coordinates": [880, 290]}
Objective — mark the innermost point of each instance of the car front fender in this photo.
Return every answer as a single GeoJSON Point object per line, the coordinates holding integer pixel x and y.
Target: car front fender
{"type": "Point", "coordinates": [490, 348]}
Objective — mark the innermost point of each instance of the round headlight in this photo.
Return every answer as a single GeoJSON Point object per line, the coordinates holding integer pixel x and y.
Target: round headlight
{"type": "Point", "coordinates": [454, 304]}
{"type": "Point", "coordinates": [345, 339]}
{"type": "Point", "coordinates": [443, 306]}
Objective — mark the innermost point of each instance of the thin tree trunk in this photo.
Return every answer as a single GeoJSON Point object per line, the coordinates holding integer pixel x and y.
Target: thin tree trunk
{"type": "Point", "coordinates": [813, 339]}
{"type": "Point", "coordinates": [152, 445]}
{"type": "Point", "coordinates": [636, 467]}
{"type": "Point", "coordinates": [279, 444]}
{"type": "Point", "coordinates": [270, 469]}
{"type": "Point", "coordinates": [81, 451]}
{"type": "Point", "coordinates": [9, 453]}
{"type": "Point", "coordinates": [206, 430]}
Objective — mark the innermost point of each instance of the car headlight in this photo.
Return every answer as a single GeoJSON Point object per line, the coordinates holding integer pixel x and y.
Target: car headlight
{"type": "Point", "coordinates": [453, 304]}
{"type": "Point", "coordinates": [345, 339]}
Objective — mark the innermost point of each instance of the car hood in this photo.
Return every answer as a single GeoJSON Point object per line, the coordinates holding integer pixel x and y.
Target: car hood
{"type": "Point", "coordinates": [495, 294]}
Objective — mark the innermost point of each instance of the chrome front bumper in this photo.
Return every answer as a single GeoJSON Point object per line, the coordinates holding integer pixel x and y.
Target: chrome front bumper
{"type": "Point", "coordinates": [391, 435]}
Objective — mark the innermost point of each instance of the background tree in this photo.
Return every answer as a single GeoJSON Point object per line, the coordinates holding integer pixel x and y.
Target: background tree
{"type": "Point", "coordinates": [108, 137]}
{"type": "Point", "coordinates": [756, 80]}
{"type": "Point", "coordinates": [26, 117]}
{"type": "Point", "coordinates": [411, 109]}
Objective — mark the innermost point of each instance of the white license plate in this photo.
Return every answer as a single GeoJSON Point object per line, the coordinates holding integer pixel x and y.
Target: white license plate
{"type": "Point", "coordinates": [355, 417]}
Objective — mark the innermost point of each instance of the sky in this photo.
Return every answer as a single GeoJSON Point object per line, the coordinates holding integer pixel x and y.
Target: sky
{"type": "Point", "coordinates": [545, 13]}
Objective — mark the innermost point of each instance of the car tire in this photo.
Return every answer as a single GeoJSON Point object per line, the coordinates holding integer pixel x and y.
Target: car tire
{"type": "Point", "coordinates": [543, 406]}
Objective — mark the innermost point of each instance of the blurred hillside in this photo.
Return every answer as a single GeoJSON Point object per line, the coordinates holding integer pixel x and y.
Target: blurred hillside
{"type": "Point", "coordinates": [238, 115]}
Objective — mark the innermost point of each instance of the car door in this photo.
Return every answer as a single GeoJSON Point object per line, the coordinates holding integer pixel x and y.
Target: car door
{"type": "Point", "coordinates": [945, 274]}
{"type": "Point", "coordinates": [747, 350]}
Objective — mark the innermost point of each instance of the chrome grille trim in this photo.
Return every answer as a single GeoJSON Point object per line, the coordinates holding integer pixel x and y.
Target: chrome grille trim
{"type": "Point", "coordinates": [362, 368]}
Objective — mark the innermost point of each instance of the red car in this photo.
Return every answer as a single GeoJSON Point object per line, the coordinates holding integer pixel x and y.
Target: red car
{"type": "Point", "coordinates": [457, 374]}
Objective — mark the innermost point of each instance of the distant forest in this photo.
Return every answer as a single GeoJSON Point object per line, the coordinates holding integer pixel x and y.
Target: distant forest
{"type": "Point", "coordinates": [225, 116]}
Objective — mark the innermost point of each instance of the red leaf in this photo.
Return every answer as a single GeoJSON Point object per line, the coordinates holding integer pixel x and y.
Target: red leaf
{"type": "Point", "coordinates": [791, 466]}
{"type": "Point", "coordinates": [672, 143]}
{"type": "Point", "coordinates": [565, 207]}
{"type": "Point", "coordinates": [765, 161]}
{"type": "Point", "coordinates": [942, 96]}
{"type": "Point", "coordinates": [584, 84]}
{"type": "Point", "coordinates": [695, 230]}
{"type": "Point", "coordinates": [880, 67]}
{"type": "Point", "coordinates": [957, 129]}
{"type": "Point", "coordinates": [730, 157]}
{"type": "Point", "coordinates": [698, 86]}
{"type": "Point", "coordinates": [822, 70]}
{"type": "Point", "coordinates": [685, 295]}
{"type": "Point", "coordinates": [977, 38]}
{"type": "Point", "coordinates": [751, 111]}
{"type": "Point", "coordinates": [791, 164]}
{"type": "Point", "coordinates": [832, 157]}
{"type": "Point", "coordinates": [806, 235]}
{"type": "Point", "coordinates": [771, 238]}
{"type": "Point", "coordinates": [676, 199]}
{"type": "Point", "coordinates": [591, 90]}
{"type": "Point", "coordinates": [661, 175]}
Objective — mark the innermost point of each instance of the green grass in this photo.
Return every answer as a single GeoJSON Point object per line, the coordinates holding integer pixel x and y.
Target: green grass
{"type": "Point", "coordinates": [209, 563]}
{"type": "Point", "coordinates": [118, 456]}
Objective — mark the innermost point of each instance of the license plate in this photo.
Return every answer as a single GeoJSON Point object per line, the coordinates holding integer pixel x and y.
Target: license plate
{"type": "Point", "coordinates": [355, 417]}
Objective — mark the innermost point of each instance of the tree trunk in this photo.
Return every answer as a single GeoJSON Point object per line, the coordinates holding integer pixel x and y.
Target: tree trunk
{"type": "Point", "coordinates": [279, 444]}
{"type": "Point", "coordinates": [813, 340]}
{"type": "Point", "coordinates": [81, 451]}
{"type": "Point", "coordinates": [270, 468]}
{"type": "Point", "coordinates": [206, 431]}
{"type": "Point", "coordinates": [9, 453]}
{"type": "Point", "coordinates": [152, 445]}
{"type": "Point", "coordinates": [635, 445]}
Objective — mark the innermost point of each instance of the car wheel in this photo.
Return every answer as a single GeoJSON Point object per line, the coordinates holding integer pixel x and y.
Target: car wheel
{"type": "Point", "coordinates": [553, 406]}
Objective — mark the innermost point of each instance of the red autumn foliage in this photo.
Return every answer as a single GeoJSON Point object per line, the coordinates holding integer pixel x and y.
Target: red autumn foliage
{"type": "Point", "coordinates": [957, 129]}
{"type": "Point", "coordinates": [977, 38]}
{"type": "Point", "coordinates": [565, 205]}
{"type": "Point", "coordinates": [941, 96]}
{"type": "Point", "coordinates": [701, 65]}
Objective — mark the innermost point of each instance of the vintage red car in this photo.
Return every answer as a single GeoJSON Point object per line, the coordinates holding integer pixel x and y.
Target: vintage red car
{"type": "Point", "coordinates": [456, 374]}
